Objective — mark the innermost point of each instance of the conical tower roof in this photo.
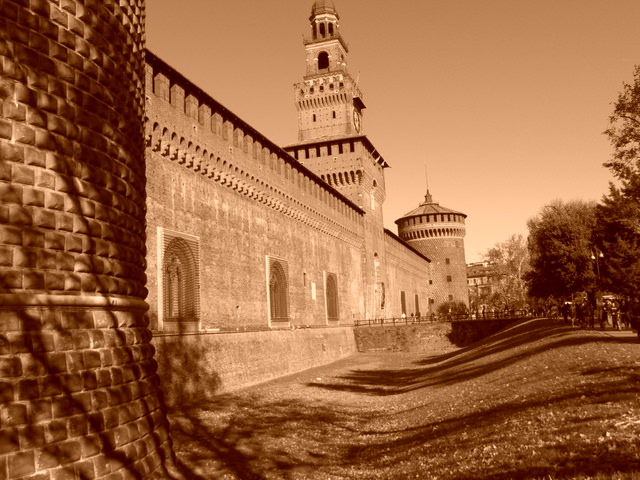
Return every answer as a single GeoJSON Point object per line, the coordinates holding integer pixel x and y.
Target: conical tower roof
{"type": "Point", "coordinates": [429, 206]}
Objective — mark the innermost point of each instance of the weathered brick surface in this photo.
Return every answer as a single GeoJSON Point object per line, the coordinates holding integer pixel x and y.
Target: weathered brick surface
{"type": "Point", "coordinates": [438, 232]}
{"type": "Point", "coordinates": [193, 367]}
{"type": "Point", "coordinates": [239, 199]}
{"type": "Point", "coordinates": [72, 230]}
{"type": "Point", "coordinates": [215, 181]}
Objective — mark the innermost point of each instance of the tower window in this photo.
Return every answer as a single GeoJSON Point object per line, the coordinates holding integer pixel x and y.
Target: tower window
{"type": "Point", "coordinates": [322, 29]}
{"type": "Point", "coordinates": [314, 117]}
{"type": "Point", "coordinates": [448, 278]}
{"type": "Point", "coordinates": [447, 261]}
{"type": "Point", "coordinates": [331, 29]}
{"type": "Point", "coordinates": [323, 60]}
{"type": "Point", "coordinates": [334, 114]}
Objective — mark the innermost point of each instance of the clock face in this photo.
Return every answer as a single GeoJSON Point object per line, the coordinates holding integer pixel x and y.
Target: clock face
{"type": "Point", "coordinates": [356, 121]}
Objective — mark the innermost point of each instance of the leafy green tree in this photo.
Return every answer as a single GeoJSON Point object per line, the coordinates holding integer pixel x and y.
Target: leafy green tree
{"type": "Point", "coordinates": [511, 260]}
{"type": "Point", "coordinates": [618, 232]}
{"type": "Point", "coordinates": [560, 249]}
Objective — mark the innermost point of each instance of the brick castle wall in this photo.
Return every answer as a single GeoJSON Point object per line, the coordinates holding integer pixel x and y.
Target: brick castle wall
{"type": "Point", "coordinates": [407, 274]}
{"type": "Point", "coordinates": [198, 366]}
{"type": "Point", "coordinates": [78, 388]}
{"type": "Point", "coordinates": [242, 200]}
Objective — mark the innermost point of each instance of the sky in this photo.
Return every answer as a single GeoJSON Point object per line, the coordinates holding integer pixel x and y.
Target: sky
{"type": "Point", "coordinates": [501, 102]}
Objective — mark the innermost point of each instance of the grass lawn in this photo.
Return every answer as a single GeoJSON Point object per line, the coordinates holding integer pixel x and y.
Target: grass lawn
{"type": "Point", "coordinates": [538, 400]}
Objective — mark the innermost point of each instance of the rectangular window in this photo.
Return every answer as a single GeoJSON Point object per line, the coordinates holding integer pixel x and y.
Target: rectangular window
{"type": "Point", "coordinates": [447, 261]}
{"type": "Point", "coordinates": [403, 303]}
{"type": "Point", "coordinates": [448, 278]}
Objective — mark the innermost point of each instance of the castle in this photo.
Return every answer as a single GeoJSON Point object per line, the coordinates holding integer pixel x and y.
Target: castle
{"type": "Point", "coordinates": [245, 234]}
{"type": "Point", "coordinates": [132, 201]}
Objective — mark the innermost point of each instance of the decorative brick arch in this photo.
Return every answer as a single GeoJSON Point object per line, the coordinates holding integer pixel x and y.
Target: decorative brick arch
{"type": "Point", "coordinates": [331, 297]}
{"type": "Point", "coordinates": [278, 291]}
{"type": "Point", "coordinates": [180, 279]}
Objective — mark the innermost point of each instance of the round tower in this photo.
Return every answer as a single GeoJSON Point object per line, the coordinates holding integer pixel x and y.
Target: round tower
{"type": "Point", "coordinates": [438, 233]}
{"type": "Point", "coordinates": [80, 395]}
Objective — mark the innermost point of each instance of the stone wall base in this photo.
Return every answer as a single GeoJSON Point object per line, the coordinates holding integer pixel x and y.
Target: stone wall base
{"type": "Point", "coordinates": [193, 367]}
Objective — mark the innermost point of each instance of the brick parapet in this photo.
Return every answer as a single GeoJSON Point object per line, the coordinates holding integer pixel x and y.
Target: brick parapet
{"type": "Point", "coordinates": [188, 127]}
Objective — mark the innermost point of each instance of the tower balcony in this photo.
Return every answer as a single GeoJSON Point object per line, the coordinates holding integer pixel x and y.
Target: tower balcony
{"type": "Point", "coordinates": [308, 40]}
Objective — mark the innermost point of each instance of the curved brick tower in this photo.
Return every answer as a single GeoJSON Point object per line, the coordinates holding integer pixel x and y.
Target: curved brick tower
{"type": "Point", "coordinates": [77, 377]}
{"type": "Point", "coordinates": [438, 233]}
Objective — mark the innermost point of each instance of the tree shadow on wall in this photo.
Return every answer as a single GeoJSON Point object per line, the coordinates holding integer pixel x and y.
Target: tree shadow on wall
{"type": "Point", "coordinates": [79, 391]}
{"type": "Point", "coordinates": [72, 392]}
{"type": "Point", "coordinates": [186, 377]}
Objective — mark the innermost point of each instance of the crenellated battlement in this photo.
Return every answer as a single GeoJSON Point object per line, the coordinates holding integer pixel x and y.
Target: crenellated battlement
{"type": "Point", "coordinates": [209, 139]}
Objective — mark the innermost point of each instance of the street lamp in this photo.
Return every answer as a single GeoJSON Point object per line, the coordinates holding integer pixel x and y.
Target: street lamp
{"type": "Point", "coordinates": [596, 254]}
{"type": "Point", "coordinates": [596, 258]}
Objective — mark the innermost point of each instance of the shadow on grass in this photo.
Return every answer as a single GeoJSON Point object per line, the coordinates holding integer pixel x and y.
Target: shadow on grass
{"type": "Point", "coordinates": [472, 361]}
{"type": "Point", "coordinates": [250, 436]}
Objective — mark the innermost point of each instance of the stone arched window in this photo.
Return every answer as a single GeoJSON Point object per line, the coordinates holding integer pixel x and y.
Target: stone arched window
{"type": "Point", "coordinates": [180, 283]}
{"type": "Point", "coordinates": [323, 60]}
{"type": "Point", "coordinates": [278, 291]}
{"type": "Point", "coordinates": [331, 292]}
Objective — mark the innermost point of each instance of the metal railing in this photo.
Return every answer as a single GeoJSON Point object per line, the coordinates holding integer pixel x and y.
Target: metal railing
{"type": "Point", "coordinates": [432, 318]}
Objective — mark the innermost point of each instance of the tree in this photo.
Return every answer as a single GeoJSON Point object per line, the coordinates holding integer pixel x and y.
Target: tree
{"type": "Point", "coordinates": [618, 232]}
{"type": "Point", "coordinates": [560, 249]}
{"type": "Point", "coordinates": [624, 135]}
{"type": "Point", "coordinates": [511, 260]}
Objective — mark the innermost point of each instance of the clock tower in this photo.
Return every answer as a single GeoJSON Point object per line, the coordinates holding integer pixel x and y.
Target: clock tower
{"type": "Point", "coordinates": [331, 143]}
{"type": "Point", "coordinates": [328, 100]}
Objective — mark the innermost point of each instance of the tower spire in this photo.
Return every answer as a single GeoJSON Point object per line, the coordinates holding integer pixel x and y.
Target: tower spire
{"type": "Point", "coordinates": [328, 100]}
{"type": "Point", "coordinates": [427, 198]}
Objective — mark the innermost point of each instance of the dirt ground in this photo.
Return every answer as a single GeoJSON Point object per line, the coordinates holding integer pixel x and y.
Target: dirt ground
{"type": "Point", "coordinates": [537, 400]}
